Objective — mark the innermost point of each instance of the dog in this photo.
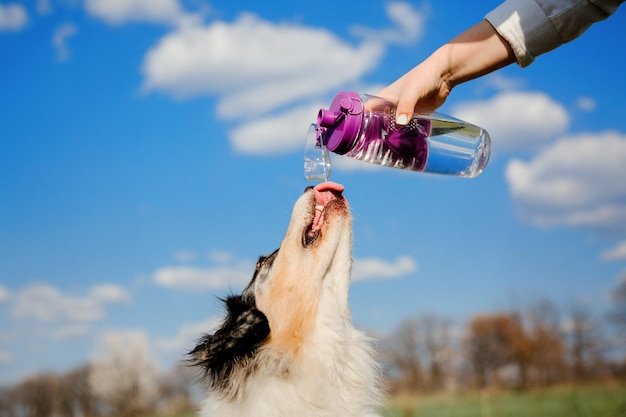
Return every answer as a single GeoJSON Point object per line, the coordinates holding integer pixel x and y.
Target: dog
{"type": "Point", "coordinates": [287, 346]}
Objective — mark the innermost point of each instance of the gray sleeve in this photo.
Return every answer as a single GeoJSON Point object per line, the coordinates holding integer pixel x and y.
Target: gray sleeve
{"type": "Point", "coordinates": [533, 27]}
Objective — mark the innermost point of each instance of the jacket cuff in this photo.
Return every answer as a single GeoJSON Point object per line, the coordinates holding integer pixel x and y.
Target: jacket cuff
{"type": "Point", "coordinates": [525, 26]}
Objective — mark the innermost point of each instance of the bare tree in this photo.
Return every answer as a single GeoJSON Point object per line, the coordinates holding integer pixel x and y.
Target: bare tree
{"type": "Point", "coordinates": [497, 340]}
{"type": "Point", "coordinates": [35, 396]}
{"type": "Point", "coordinates": [520, 347]}
{"type": "Point", "coordinates": [585, 343]}
{"type": "Point", "coordinates": [486, 346]}
{"type": "Point", "coordinates": [402, 357]}
{"type": "Point", "coordinates": [75, 397]}
{"type": "Point", "coordinates": [547, 360]}
{"type": "Point", "coordinates": [617, 314]}
{"type": "Point", "coordinates": [124, 375]}
{"type": "Point", "coordinates": [436, 348]}
{"type": "Point", "coordinates": [617, 317]}
{"type": "Point", "coordinates": [178, 389]}
{"type": "Point", "coordinates": [417, 354]}
{"type": "Point", "coordinates": [7, 404]}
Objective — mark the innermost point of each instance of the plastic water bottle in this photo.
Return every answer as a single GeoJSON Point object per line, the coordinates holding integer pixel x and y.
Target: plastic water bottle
{"type": "Point", "coordinates": [363, 127]}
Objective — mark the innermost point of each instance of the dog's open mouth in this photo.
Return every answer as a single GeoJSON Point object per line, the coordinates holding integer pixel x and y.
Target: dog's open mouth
{"type": "Point", "coordinates": [323, 194]}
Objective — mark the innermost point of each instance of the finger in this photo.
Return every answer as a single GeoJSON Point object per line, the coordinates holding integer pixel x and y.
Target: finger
{"type": "Point", "coordinates": [407, 101]}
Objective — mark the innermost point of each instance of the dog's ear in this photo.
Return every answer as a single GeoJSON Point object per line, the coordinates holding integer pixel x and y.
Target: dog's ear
{"type": "Point", "coordinates": [238, 338]}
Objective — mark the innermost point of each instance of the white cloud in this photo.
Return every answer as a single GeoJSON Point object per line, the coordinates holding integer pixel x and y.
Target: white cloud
{"type": "Point", "coordinates": [4, 294]}
{"type": "Point", "coordinates": [13, 17]}
{"type": "Point", "coordinates": [194, 278]}
{"type": "Point", "coordinates": [187, 335]}
{"type": "Point", "coordinates": [240, 273]}
{"type": "Point", "coordinates": [516, 120]}
{"type": "Point", "coordinates": [502, 83]}
{"type": "Point", "coordinates": [408, 28]}
{"type": "Point", "coordinates": [365, 269]}
{"type": "Point", "coordinates": [117, 12]}
{"type": "Point", "coordinates": [44, 7]}
{"type": "Point", "coordinates": [221, 257]}
{"type": "Point", "coordinates": [266, 76]}
{"type": "Point", "coordinates": [185, 255]}
{"type": "Point", "coordinates": [275, 134]}
{"type": "Point", "coordinates": [41, 302]}
{"type": "Point", "coordinates": [616, 253]}
{"type": "Point", "coordinates": [70, 331]}
{"type": "Point", "coordinates": [578, 181]}
{"type": "Point", "coordinates": [254, 65]}
{"type": "Point", "coordinates": [109, 293]}
{"type": "Point", "coordinates": [409, 21]}
{"type": "Point", "coordinates": [6, 357]}
{"type": "Point", "coordinates": [59, 40]}
{"type": "Point", "coordinates": [586, 104]}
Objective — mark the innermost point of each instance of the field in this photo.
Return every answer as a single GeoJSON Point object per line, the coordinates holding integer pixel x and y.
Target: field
{"type": "Point", "coordinates": [579, 401]}
{"type": "Point", "coordinates": [600, 400]}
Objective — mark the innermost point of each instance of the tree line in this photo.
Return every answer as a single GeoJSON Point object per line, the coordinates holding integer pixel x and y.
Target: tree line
{"type": "Point", "coordinates": [537, 346]}
{"type": "Point", "coordinates": [124, 384]}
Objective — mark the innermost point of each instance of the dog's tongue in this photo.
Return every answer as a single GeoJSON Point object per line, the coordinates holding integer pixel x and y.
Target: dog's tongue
{"type": "Point", "coordinates": [325, 192]}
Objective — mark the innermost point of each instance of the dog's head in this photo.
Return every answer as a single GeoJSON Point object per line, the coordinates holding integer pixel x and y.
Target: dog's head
{"type": "Point", "coordinates": [298, 288]}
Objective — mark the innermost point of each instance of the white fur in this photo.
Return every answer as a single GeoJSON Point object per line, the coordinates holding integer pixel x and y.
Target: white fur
{"type": "Point", "coordinates": [329, 368]}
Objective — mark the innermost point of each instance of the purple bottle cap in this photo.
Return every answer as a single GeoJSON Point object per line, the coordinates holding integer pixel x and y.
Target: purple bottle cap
{"type": "Point", "coordinates": [342, 121]}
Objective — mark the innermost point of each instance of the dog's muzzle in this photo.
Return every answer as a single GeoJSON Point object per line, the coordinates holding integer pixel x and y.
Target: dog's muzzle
{"type": "Point", "coordinates": [323, 194]}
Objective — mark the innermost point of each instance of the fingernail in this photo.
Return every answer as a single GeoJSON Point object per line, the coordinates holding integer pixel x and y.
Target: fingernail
{"type": "Point", "coordinates": [402, 119]}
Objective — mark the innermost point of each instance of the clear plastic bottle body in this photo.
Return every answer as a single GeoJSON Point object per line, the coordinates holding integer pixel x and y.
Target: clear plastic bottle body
{"type": "Point", "coordinates": [363, 127]}
{"type": "Point", "coordinates": [433, 143]}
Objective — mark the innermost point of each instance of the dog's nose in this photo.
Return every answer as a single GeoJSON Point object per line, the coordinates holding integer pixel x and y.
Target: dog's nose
{"type": "Point", "coordinates": [310, 187]}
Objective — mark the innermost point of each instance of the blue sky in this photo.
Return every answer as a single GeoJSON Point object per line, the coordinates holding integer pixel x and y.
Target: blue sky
{"type": "Point", "coordinates": [150, 154]}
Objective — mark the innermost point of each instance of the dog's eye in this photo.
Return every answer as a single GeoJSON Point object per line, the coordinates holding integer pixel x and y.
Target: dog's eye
{"type": "Point", "coordinates": [263, 265]}
{"type": "Point", "coordinates": [259, 263]}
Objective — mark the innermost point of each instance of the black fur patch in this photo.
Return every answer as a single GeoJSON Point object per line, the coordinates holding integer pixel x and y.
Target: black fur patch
{"type": "Point", "coordinates": [236, 341]}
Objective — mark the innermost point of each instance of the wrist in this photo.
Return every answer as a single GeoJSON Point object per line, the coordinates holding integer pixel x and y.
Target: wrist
{"type": "Point", "coordinates": [474, 53]}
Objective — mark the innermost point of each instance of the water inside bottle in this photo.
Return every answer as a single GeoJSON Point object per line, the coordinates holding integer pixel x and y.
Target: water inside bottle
{"type": "Point", "coordinates": [457, 148]}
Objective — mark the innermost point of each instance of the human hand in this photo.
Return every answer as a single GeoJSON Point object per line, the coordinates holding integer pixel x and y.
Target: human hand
{"type": "Point", "coordinates": [474, 53]}
{"type": "Point", "coordinates": [421, 90]}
